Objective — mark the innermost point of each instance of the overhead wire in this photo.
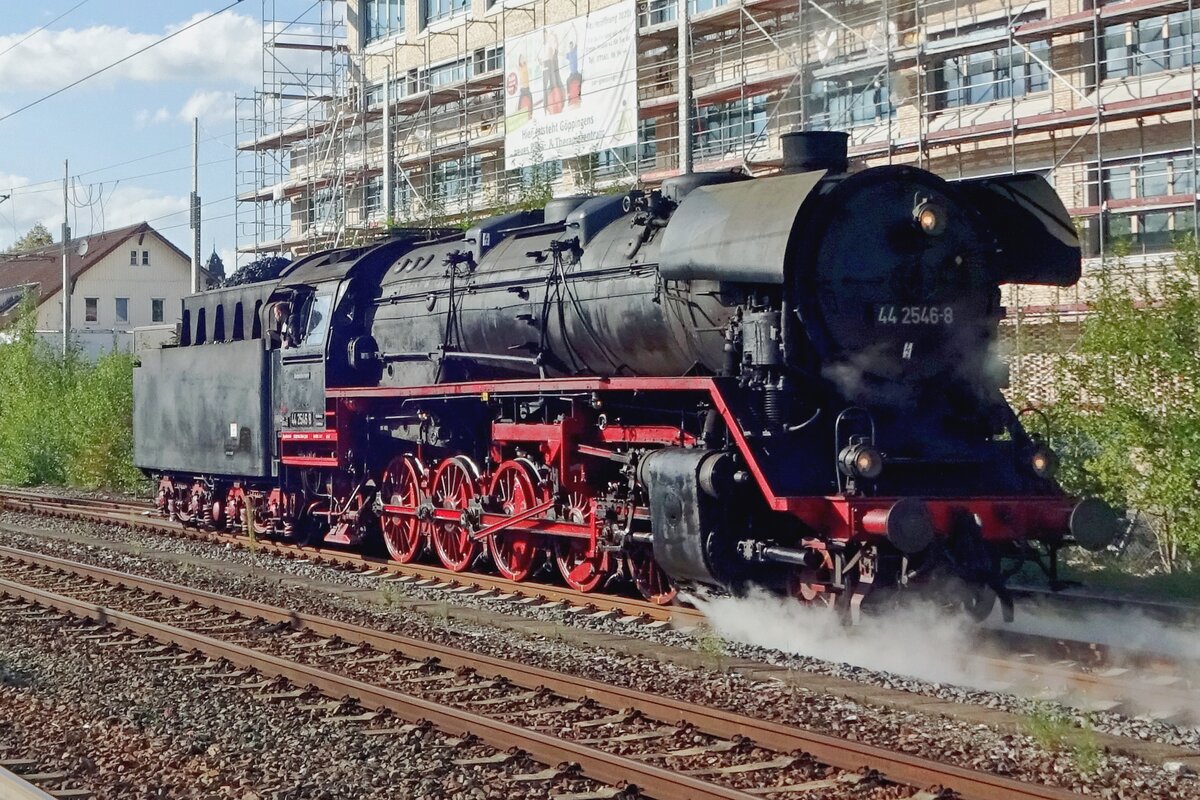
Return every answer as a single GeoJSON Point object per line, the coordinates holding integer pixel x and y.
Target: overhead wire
{"type": "Point", "coordinates": [35, 32]}
{"type": "Point", "coordinates": [119, 61]}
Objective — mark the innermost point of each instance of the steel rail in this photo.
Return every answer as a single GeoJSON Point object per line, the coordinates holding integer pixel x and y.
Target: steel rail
{"type": "Point", "coordinates": [843, 754]}
{"type": "Point", "coordinates": [14, 787]}
{"type": "Point", "coordinates": [596, 764]}
{"type": "Point", "coordinates": [27, 501]}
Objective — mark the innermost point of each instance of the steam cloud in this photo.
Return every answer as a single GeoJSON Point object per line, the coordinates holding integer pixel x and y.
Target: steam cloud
{"type": "Point", "coordinates": [933, 643]}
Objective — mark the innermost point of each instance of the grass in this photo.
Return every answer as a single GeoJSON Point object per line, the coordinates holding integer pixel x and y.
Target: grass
{"type": "Point", "coordinates": [64, 421]}
{"type": "Point", "coordinates": [712, 646]}
{"type": "Point", "coordinates": [1055, 731]}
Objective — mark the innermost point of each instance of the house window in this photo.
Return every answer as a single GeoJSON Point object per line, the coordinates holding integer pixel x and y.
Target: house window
{"type": "Point", "coordinates": [91, 306]}
{"type": "Point", "coordinates": [145, 258]}
{"type": "Point", "coordinates": [848, 103]}
{"type": "Point", "coordinates": [381, 19]}
{"type": "Point", "coordinates": [156, 309]}
{"type": "Point", "coordinates": [433, 10]}
{"type": "Point", "coordinates": [457, 179]}
{"type": "Point", "coordinates": [122, 309]}
{"type": "Point", "coordinates": [726, 128]}
{"type": "Point", "coordinates": [1151, 45]}
{"type": "Point", "coordinates": [488, 59]}
{"type": "Point", "coordinates": [133, 258]}
{"type": "Point", "coordinates": [992, 75]}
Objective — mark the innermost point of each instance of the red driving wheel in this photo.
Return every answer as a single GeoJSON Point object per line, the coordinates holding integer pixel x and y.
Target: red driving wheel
{"type": "Point", "coordinates": [649, 577]}
{"type": "Point", "coordinates": [453, 488]}
{"type": "Point", "coordinates": [404, 535]}
{"type": "Point", "coordinates": [516, 553]}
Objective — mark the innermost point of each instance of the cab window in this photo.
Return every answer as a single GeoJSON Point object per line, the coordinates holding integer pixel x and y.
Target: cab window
{"type": "Point", "coordinates": [317, 317]}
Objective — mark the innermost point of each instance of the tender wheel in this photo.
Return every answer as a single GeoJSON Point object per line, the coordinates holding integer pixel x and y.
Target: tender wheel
{"type": "Point", "coordinates": [582, 572]}
{"type": "Point", "coordinates": [516, 553]}
{"type": "Point", "coordinates": [404, 535]}
{"type": "Point", "coordinates": [649, 578]}
{"type": "Point", "coordinates": [453, 488]}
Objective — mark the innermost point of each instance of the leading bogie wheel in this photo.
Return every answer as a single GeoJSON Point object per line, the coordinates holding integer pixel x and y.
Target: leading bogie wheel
{"type": "Point", "coordinates": [648, 576]}
{"type": "Point", "coordinates": [404, 535]}
{"type": "Point", "coordinates": [453, 487]}
{"type": "Point", "coordinates": [516, 553]}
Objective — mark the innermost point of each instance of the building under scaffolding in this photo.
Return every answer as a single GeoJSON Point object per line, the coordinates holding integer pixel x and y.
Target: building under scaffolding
{"type": "Point", "coordinates": [398, 111]}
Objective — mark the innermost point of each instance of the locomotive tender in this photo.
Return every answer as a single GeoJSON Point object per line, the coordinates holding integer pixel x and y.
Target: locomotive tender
{"type": "Point", "coordinates": [788, 381]}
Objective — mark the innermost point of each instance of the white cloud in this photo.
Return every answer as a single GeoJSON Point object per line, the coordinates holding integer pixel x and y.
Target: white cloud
{"type": "Point", "coordinates": [147, 117]}
{"type": "Point", "coordinates": [226, 47]}
{"type": "Point", "coordinates": [209, 105]}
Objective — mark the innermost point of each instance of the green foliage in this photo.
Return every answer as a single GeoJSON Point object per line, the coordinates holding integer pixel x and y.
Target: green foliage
{"type": "Point", "coordinates": [1054, 730]}
{"type": "Point", "coordinates": [64, 420]}
{"type": "Point", "coordinates": [1130, 406]}
{"type": "Point", "coordinates": [261, 269]}
{"type": "Point", "coordinates": [36, 237]}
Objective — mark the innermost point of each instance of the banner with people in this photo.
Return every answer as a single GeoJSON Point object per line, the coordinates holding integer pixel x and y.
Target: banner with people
{"type": "Point", "coordinates": [571, 88]}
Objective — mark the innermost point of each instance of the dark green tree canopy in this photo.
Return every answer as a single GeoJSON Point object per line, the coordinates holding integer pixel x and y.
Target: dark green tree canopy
{"type": "Point", "coordinates": [261, 269]}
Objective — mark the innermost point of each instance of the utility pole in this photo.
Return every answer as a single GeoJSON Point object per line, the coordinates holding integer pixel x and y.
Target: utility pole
{"type": "Point", "coordinates": [685, 88]}
{"type": "Point", "coordinates": [195, 221]}
{"type": "Point", "coordinates": [66, 267]}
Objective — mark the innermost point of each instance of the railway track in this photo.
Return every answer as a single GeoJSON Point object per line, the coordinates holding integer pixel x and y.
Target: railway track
{"type": "Point", "coordinates": [665, 747]}
{"type": "Point", "coordinates": [1077, 672]}
{"type": "Point", "coordinates": [23, 779]}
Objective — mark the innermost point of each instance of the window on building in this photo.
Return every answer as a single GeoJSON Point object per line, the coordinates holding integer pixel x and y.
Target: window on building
{"type": "Point", "coordinates": [145, 258]}
{"type": "Point", "coordinates": [1150, 231]}
{"type": "Point", "coordinates": [457, 179]}
{"type": "Point", "coordinates": [1117, 183]}
{"type": "Point", "coordinates": [727, 128]}
{"type": "Point", "coordinates": [157, 305]}
{"type": "Point", "coordinates": [372, 197]}
{"type": "Point", "coordinates": [122, 308]}
{"type": "Point", "coordinates": [648, 139]}
{"type": "Point", "coordinates": [381, 19]}
{"type": "Point", "coordinates": [488, 59]}
{"type": "Point", "coordinates": [443, 74]}
{"type": "Point", "coordinates": [851, 102]}
{"type": "Point", "coordinates": [91, 309]}
{"type": "Point", "coordinates": [325, 207]}
{"type": "Point", "coordinates": [133, 258]}
{"type": "Point", "coordinates": [991, 75]}
{"type": "Point", "coordinates": [433, 10]}
{"type": "Point", "coordinates": [1152, 45]}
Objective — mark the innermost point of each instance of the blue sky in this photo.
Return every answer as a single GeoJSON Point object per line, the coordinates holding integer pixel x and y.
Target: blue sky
{"type": "Point", "coordinates": [128, 132]}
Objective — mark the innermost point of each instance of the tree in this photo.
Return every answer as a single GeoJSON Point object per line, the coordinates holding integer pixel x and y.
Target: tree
{"type": "Point", "coordinates": [37, 237]}
{"type": "Point", "coordinates": [261, 269]}
{"type": "Point", "coordinates": [216, 267]}
{"type": "Point", "coordinates": [1130, 410]}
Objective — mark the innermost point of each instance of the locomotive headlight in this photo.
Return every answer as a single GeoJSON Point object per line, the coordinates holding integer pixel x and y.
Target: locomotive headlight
{"type": "Point", "coordinates": [860, 461]}
{"type": "Point", "coordinates": [930, 217]}
{"type": "Point", "coordinates": [1043, 462]}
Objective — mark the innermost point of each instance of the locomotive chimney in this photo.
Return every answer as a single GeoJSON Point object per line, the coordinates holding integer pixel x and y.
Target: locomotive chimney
{"type": "Point", "coordinates": [806, 151]}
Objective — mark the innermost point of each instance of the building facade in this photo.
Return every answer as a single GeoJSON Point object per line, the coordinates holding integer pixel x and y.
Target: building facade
{"type": "Point", "coordinates": [401, 110]}
{"type": "Point", "coordinates": [122, 279]}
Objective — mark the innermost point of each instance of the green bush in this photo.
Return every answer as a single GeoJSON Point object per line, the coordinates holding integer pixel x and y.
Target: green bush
{"type": "Point", "coordinates": [64, 421]}
{"type": "Point", "coordinates": [1130, 407]}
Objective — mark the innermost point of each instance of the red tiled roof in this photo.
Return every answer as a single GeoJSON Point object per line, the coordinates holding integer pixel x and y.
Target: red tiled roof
{"type": "Point", "coordinates": [43, 266]}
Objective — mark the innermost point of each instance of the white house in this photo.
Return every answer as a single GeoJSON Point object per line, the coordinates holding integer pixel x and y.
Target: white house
{"type": "Point", "coordinates": [122, 279]}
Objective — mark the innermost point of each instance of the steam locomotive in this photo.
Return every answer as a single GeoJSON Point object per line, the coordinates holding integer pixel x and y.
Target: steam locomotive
{"type": "Point", "coordinates": [787, 381]}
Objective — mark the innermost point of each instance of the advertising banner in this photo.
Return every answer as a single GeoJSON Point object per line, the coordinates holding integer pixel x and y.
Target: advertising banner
{"type": "Point", "coordinates": [571, 88]}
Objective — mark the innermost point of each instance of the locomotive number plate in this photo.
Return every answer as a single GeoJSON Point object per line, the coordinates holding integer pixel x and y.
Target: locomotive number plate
{"type": "Point", "coordinates": [300, 419]}
{"type": "Point", "coordinates": [914, 315]}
